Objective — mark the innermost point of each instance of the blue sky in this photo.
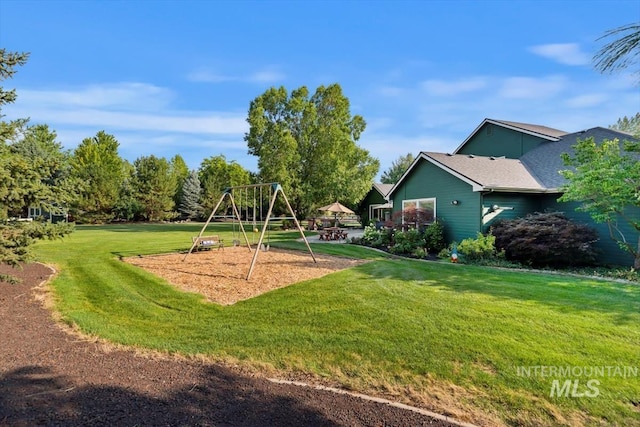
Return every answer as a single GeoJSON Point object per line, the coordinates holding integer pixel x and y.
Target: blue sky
{"type": "Point", "coordinates": [177, 77]}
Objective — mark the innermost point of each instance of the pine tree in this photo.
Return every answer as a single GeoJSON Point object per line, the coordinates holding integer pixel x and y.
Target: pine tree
{"type": "Point", "coordinates": [190, 199]}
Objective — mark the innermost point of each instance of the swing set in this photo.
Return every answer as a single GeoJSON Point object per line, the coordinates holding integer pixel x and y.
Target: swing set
{"type": "Point", "coordinates": [273, 189]}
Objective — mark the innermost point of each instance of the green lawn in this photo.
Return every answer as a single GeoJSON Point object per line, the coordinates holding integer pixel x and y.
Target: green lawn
{"type": "Point", "coordinates": [449, 337]}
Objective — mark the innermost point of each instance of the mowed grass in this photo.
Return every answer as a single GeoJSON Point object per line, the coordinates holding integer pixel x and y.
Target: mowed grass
{"type": "Point", "coordinates": [447, 337]}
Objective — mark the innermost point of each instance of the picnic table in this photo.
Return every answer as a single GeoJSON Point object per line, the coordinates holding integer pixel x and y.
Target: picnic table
{"type": "Point", "coordinates": [333, 233]}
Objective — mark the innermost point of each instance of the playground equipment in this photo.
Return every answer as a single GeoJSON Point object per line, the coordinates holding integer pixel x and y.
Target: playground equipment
{"type": "Point", "coordinates": [274, 189]}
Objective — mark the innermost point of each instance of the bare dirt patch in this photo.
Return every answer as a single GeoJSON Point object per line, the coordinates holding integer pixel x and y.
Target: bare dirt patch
{"type": "Point", "coordinates": [220, 275]}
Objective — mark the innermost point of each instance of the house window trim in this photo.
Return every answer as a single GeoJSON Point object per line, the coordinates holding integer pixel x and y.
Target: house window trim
{"type": "Point", "coordinates": [34, 212]}
{"type": "Point", "coordinates": [428, 199]}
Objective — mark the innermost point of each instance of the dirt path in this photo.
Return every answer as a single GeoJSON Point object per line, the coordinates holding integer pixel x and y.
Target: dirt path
{"type": "Point", "coordinates": [50, 377]}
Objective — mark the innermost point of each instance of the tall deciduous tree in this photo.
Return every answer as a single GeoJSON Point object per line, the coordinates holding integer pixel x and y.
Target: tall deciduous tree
{"type": "Point", "coordinates": [397, 169]}
{"type": "Point", "coordinates": [156, 186]}
{"type": "Point", "coordinates": [216, 174]}
{"type": "Point", "coordinates": [605, 179]}
{"type": "Point", "coordinates": [308, 145]}
{"type": "Point", "coordinates": [98, 166]}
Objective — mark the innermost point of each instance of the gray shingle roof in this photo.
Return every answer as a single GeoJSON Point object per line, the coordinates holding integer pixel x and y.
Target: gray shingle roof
{"type": "Point", "coordinates": [497, 173]}
{"type": "Point", "coordinates": [383, 189]}
{"type": "Point", "coordinates": [545, 163]}
{"type": "Point", "coordinates": [542, 130]}
{"type": "Point", "coordinates": [536, 171]}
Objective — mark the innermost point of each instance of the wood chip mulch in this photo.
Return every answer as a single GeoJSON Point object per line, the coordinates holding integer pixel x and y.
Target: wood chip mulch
{"type": "Point", "coordinates": [220, 275]}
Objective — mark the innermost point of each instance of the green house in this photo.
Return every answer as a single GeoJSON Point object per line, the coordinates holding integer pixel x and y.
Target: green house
{"type": "Point", "coordinates": [375, 208]}
{"type": "Point", "coordinates": [502, 170]}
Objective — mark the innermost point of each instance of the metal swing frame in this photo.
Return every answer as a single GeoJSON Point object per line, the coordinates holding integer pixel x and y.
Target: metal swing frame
{"type": "Point", "coordinates": [275, 189]}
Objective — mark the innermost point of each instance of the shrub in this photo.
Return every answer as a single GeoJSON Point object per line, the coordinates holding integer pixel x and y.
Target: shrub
{"type": "Point", "coordinates": [480, 249]}
{"type": "Point", "coordinates": [445, 253]}
{"type": "Point", "coordinates": [370, 235]}
{"type": "Point", "coordinates": [406, 242]}
{"type": "Point", "coordinates": [546, 239]}
{"type": "Point", "coordinates": [419, 253]}
{"type": "Point", "coordinates": [434, 237]}
{"type": "Point", "coordinates": [376, 238]}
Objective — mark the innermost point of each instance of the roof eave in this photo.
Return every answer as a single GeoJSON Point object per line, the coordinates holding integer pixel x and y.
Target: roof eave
{"type": "Point", "coordinates": [518, 190]}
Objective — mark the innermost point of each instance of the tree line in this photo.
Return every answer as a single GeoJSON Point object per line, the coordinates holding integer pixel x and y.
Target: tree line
{"type": "Point", "coordinates": [305, 142]}
{"type": "Point", "coordinates": [94, 184]}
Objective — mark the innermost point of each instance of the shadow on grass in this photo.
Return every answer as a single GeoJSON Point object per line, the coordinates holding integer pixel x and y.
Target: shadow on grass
{"type": "Point", "coordinates": [562, 292]}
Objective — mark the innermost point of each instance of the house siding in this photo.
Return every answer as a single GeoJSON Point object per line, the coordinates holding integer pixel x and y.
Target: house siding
{"type": "Point", "coordinates": [608, 250]}
{"type": "Point", "coordinates": [517, 205]}
{"type": "Point", "coordinates": [494, 140]}
{"type": "Point", "coordinates": [429, 181]}
{"type": "Point", "coordinates": [373, 197]}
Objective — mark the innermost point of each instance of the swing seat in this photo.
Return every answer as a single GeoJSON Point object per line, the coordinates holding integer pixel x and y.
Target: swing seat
{"type": "Point", "coordinates": [208, 242]}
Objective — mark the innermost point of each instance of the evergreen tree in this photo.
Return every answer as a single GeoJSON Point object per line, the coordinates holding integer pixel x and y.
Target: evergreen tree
{"type": "Point", "coordinates": [629, 125]}
{"type": "Point", "coordinates": [98, 166]}
{"type": "Point", "coordinates": [190, 205]}
{"type": "Point", "coordinates": [21, 180]}
{"type": "Point", "coordinates": [155, 186]}
{"type": "Point", "coordinates": [180, 172]}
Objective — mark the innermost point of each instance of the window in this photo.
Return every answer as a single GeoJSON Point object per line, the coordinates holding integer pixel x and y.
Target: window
{"type": "Point", "coordinates": [34, 212]}
{"type": "Point", "coordinates": [418, 211]}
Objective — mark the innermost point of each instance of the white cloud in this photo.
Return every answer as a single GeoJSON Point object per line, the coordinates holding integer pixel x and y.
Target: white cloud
{"type": "Point", "coordinates": [564, 53]}
{"type": "Point", "coordinates": [141, 118]}
{"type": "Point", "coordinates": [127, 96]}
{"type": "Point", "coordinates": [184, 122]}
{"type": "Point", "coordinates": [586, 101]}
{"type": "Point", "coordinates": [450, 88]}
{"type": "Point", "coordinates": [378, 123]}
{"type": "Point", "coordinates": [532, 88]}
{"type": "Point", "coordinates": [267, 75]}
{"type": "Point", "coordinates": [122, 106]}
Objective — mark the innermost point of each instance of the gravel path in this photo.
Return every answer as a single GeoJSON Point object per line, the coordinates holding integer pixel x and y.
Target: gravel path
{"type": "Point", "coordinates": [50, 377]}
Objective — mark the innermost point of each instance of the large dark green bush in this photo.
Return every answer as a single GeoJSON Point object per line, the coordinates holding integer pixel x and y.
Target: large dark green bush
{"type": "Point", "coordinates": [546, 239]}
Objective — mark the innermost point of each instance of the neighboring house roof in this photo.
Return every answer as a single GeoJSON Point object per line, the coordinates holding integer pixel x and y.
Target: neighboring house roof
{"type": "Point", "coordinates": [537, 130]}
{"type": "Point", "coordinates": [545, 162]}
{"type": "Point", "coordinates": [383, 189]}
